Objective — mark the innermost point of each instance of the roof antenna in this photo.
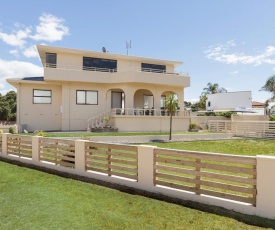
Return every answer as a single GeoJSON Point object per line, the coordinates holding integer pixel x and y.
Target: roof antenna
{"type": "Point", "coordinates": [128, 46]}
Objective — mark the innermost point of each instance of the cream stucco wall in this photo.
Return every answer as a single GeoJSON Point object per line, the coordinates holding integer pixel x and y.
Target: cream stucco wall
{"type": "Point", "coordinates": [147, 123]}
{"type": "Point", "coordinates": [39, 116]}
{"type": "Point", "coordinates": [65, 114]}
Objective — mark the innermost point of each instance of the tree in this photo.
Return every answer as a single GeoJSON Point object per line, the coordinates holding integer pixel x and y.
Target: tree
{"type": "Point", "coordinates": [8, 106]}
{"type": "Point", "coordinates": [171, 104]}
{"type": "Point", "coordinates": [270, 87]}
{"type": "Point", "coordinates": [214, 88]}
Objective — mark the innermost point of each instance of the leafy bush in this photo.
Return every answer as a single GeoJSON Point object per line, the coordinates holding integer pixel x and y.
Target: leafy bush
{"type": "Point", "coordinates": [11, 130]}
{"type": "Point", "coordinates": [227, 114]}
{"type": "Point", "coordinates": [193, 125]}
{"type": "Point", "coordinates": [272, 118]}
{"type": "Point", "coordinates": [40, 133]}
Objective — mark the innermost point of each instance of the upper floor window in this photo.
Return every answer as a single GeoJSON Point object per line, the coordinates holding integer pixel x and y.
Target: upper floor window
{"type": "Point", "coordinates": [153, 68]}
{"type": "Point", "coordinates": [209, 103]}
{"type": "Point", "coordinates": [51, 60]}
{"type": "Point", "coordinates": [86, 97]}
{"type": "Point", "coordinates": [42, 96]}
{"type": "Point", "coordinates": [98, 64]}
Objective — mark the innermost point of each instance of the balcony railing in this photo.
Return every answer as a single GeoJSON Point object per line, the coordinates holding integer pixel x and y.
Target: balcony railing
{"type": "Point", "coordinates": [139, 69]}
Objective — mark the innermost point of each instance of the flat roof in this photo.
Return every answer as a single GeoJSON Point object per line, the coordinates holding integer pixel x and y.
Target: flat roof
{"type": "Point", "coordinates": [43, 49]}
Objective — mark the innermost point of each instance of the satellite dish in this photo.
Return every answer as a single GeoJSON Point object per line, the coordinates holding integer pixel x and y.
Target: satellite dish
{"type": "Point", "coordinates": [103, 49]}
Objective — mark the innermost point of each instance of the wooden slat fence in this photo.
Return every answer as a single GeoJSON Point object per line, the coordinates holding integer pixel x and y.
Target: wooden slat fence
{"type": "Point", "coordinates": [19, 145]}
{"type": "Point", "coordinates": [112, 159]}
{"type": "Point", "coordinates": [253, 129]}
{"type": "Point", "coordinates": [58, 152]}
{"type": "Point", "coordinates": [224, 176]}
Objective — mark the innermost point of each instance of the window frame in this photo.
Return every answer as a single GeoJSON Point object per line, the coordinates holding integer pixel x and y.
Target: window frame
{"type": "Point", "coordinates": [45, 103]}
{"type": "Point", "coordinates": [81, 90]}
{"type": "Point", "coordinates": [51, 65]}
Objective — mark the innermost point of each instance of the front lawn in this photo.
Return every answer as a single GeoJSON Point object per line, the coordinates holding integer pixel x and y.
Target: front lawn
{"type": "Point", "coordinates": [35, 200]}
{"type": "Point", "coordinates": [250, 147]}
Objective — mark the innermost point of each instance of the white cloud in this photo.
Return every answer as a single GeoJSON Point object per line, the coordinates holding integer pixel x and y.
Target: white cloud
{"type": "Point", "coordinates": [221, 54]}
{"type": "Point", "coordinates": [16, 38]}
{"type": "Point", "coordinates": [50, 28]}
{"type": "Point", "coordinates": [31, 52]}
{"type": "Point", "coordinates": [234, 72]}
{"type": "Point", "coordinates": [14, 52]}
{"type": "Point", "coordinates": [17, 69]}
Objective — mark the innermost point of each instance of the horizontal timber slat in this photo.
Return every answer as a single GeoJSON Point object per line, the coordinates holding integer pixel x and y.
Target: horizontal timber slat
{"type": "Point", "coordinates": [208, 156]}
{"type": "Point", "coordinates": [207, 174]}
{"type": "Point", "coordinates": [235, 169]}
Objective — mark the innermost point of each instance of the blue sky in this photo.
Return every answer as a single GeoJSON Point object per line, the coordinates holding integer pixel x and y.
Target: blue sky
{"type": "Point", "coordinates": [229, 42]}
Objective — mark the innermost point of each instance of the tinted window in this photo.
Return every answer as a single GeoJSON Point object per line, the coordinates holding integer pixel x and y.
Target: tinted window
{"type": "Point", "coordinates": [153, 68]}
{"type": "Point", "coordinates": [51, 60]}
{"type": "Point", "coordinates": [98, 64]}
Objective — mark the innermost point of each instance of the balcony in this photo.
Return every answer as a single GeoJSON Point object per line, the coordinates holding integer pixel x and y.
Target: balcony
{"type": "Point", "coordinates": [128, 75]}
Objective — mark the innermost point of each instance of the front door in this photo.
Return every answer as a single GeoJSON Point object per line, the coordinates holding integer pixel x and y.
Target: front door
{"type": "Point", "coordinates": [117, 100]}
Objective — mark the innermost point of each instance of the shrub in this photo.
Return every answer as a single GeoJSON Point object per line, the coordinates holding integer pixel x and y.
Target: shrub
{"type": "Point", "coordinates": [11, 130]}
{"type": "Point", "coordinates": [40, 133]}
{"type": "Point", "coordinates": [272, 118]}
{"type": "Point", "coordinates": [193, 125]}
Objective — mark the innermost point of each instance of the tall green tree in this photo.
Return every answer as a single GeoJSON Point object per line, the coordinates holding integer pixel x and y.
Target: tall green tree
{"type": "Point", "coordinates": [171, 104]}
{"type": "Point", "coordinates": [214, 88]}
{"type": "Point", "coordinates": [8, 106]}
{"type": "Point", "coordinates": [270, 87]}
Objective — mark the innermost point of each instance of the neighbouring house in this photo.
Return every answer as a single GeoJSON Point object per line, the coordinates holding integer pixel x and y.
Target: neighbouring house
{"type": "Point", "coordinates": [81, 88]}
{"type": "Point", "coordinates": [256, 104]}
{"type": "Point", "coordinates": [229, 101]}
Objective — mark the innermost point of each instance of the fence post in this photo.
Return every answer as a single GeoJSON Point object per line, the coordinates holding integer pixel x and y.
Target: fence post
{"type": "Point", "coordinates": [5, 143]}
{"type": "Point", "coordinates": [35, 149]}
{"type": "Point", "coordinates": [265, 203]}
{"type": "Point", "coordinates": [80, 156]}
{"type": "Point", "coordinates": [146, 166]}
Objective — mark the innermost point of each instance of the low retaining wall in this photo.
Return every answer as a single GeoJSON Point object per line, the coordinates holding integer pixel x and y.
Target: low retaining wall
{"type": "Point", "coordinates": [142, 167]}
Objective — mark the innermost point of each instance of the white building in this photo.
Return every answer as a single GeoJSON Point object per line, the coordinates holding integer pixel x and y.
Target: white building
{"type": "Point", "coordinates": [229, 101]}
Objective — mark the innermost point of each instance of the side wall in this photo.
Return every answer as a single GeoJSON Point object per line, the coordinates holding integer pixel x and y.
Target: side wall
{"type": "Point", "coordinates": [39, 116]}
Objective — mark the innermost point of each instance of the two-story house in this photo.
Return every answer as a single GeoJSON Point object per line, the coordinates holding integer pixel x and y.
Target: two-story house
{"type": "Point", "coordinates": [79, 88]}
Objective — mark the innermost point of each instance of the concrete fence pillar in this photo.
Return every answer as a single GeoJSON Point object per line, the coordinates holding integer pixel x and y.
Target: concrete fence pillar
{"type": "Point", "coordinates": [5, 143]}
{"type": "Point", "coordinates": [80, 156]}
{"type": "Point", "coordinates": [266, 186]}
{"type": "Point", "coordinates": [146, 167]}
{"type": "Point", "coordinates": [35, 148]}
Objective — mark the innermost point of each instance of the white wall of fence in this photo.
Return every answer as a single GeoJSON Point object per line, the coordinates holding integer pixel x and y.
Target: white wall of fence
{"type": "Point", "coordinates": [243, 183]}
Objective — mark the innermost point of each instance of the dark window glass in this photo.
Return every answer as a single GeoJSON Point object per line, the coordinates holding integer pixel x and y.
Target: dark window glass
{"type": "Point", "coordinates": [153, 68]}
{"type": "Point", "coordinates": [97, 64]}
{"type": "Point", "coordinates": [51, 60]}
{"type": "Point", "coordinates": [42, 96]}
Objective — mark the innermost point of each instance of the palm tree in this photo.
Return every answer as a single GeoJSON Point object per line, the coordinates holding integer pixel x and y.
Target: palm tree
{"type": "Point", "coordinates": [214, 88]}
{"type": "Point", "coordinates": [270, 87]}
{"type": "Point", "coordinates": [171, 104]}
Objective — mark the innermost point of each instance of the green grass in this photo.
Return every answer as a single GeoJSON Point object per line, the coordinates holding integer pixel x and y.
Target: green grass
{"type": "Point", "coordinates": [250, 147]}
{"type": "Point", "coordinates": [35, 200]}
{"type": "Point", "coordinates": [89, 134]}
